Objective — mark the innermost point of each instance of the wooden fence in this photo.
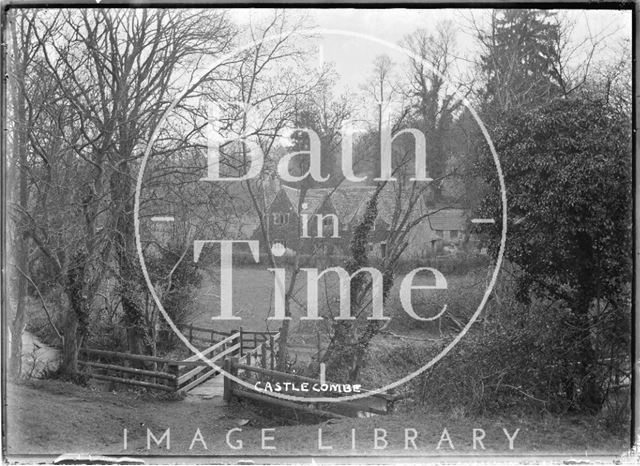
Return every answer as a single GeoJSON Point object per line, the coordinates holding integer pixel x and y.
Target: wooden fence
{"type": "Point", "coordinates": [199, 335]}
{"type": "Point", "coordinates": [374, 403]}
{"type": "Point", "coordinates": [178, 375]}
{"type": "Point", "coordinates": [248, 355]}
{"type": "Point", "coordinates": [152, 372]}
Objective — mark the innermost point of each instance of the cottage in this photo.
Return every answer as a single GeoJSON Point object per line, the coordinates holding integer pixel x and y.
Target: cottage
{"type": "Point", "coordinates": [448, 228]}
{"type": "Point", "coordinates": [337, 211]}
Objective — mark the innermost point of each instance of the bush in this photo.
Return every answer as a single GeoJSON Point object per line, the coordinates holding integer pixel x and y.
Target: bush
{"type": "Point", "coordinates": [522, 357]}
{"type": "Point", "coordinates": [462, 296]}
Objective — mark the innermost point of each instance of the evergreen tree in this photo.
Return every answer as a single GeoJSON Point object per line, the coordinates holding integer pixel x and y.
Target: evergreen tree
{"type": "Point", "coordinates": [521, 59]}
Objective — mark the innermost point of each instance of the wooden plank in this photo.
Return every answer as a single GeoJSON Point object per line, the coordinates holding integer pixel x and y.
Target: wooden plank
{"type": "Point", "coordinates": [352, 405]}
{"type": "Point", "coordinates": [130, 370]}
{"type": "Point", "coordinates": [229, 350]}
{"type": "Point", "coordinates": [277, 374]}
{"type": "Point", "coordinates": [198, 381]}
{"type": "Point", "coordinates": [140, 383]}
{"type": "Point", "coordinates": [204, 339]}
{"type": "Point", "coordinates": [197, 370]}
{"type": "Point", "coordinates": [287, 404]}
{"type": "Point", "coordinates": [130, 356]}
{"type": "Point", "coordinates": [140, 357]}
{"type": "Point", "coordinates": [218, 345]}
{"type": "Point", "coordinates": [301, 378]}
{"type": "Point", "coordinates": [193, 372]}
{"type": "Point", "coordinates": [204, 329]}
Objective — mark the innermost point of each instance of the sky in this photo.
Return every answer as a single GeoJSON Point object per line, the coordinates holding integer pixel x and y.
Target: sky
{"type": "Point", "coordinates": [353, 57]}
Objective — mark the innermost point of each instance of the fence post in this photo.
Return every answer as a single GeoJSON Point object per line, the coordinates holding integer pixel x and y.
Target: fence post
{"type": "Point", "coordinates": [174, 370]}
{"type": "Point", "coordinates": [241, 347]}
{"type": "Point", "coordinates": [272, 351]}
{"type": "Point", "coordinates": [263, 350]}
{"type": "Point", "coordinates": [231, 367]}
{"type": "Point", "coordinates": [190, 333]}
{"type": "Point", "coordinates": [226, 394]}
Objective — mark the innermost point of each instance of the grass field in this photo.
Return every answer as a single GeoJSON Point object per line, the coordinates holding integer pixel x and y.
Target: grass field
{"type": "Point", "coordinates": [253, 290]}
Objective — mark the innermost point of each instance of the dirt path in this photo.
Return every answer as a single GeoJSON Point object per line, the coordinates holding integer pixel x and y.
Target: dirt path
{"type": "Point", "coordinates": [52, 417]}
{"type": "Point", "coordinates": [212, 389]}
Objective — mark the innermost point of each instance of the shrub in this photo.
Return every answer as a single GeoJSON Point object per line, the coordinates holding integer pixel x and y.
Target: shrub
{"type": "Point", "coordinates": [522, 357]}
{"type": "Point", "coordinates": [461, 298]}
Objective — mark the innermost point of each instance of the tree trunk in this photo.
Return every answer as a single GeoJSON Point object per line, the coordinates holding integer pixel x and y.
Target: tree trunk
{"type": "Point", "coordinates": [70, 345]}
{"type": "Point", "coordinates": [591, 395]}
{"type": "Point", "coordinates": [77, 318]}
{"type": "Point", "coordinates": [590, 398]}
{"type": "Point", "coordinates": [19, 150]}
{"type": "Point", "coordinates": [345, 354]}
{"type": "Point", "coordinates": [124, 238]}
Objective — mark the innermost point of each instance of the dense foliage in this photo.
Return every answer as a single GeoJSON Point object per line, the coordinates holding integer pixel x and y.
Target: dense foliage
{"type": "Point", "coordinates": [567, 170]}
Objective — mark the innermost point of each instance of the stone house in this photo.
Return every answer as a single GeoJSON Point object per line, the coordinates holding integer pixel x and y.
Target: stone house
{"type": "Point", "coordinates": [339, 210]}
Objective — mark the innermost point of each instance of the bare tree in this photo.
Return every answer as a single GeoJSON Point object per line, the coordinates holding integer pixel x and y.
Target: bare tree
{"type": "Point", "coordinates": [112, 77]}
{"type": "Point", "coordinates": [435, 92]}
{"type": "Point", "coordinates": [21, 56]}
{"type": "Point", "coordinates": [273, 99]}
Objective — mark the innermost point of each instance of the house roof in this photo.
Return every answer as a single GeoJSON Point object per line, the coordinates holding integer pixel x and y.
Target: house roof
{"type": "Point", "coordinates": [349, 202]}
{"type": "Point", "coordinates": [313, 199]}
{"type": "Point", "coordinates": [448, 219]}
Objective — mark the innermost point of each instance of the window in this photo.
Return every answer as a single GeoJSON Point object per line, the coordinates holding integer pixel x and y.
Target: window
{"type": "Point", "coordinates": [440, 233]}
{"type": "Point", "coordinates": [453, 234]}
{"type": "Point", "coordinates": [279, 241]}
{"type": "Point", "coordinates": [280, 219]}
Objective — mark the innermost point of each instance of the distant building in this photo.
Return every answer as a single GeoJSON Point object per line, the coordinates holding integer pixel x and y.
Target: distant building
{"type": "Point", "coordinates": [341, 209]}
{"type": "Point", "coordinates": [448, 226]}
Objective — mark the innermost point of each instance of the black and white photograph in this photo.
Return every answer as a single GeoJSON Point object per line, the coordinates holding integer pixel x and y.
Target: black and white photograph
{"type": "Point", "coordinates": [371, 233]}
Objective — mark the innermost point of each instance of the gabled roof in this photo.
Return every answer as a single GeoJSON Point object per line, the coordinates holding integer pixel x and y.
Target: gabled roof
{"type": "Point", "coordinates": [448, 219]}
{"type": "Point", "coordinates": [349, 202]}
{"type": "Point", "coordinates": [313, 199]}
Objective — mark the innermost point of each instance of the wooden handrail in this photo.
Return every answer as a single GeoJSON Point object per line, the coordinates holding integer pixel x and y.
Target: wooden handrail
{"type": "Point", "coordinates": [141, 357]}
{"type": "Point", "coordinates": [183, 378]}
{"type": "Point", "coordinates": [209, 350]}
{"type": "Point", "coordinates": [130, 356]}
{"type": "Point", "coordinates": [203, 329]}
{"type": "Point", "coordinates": [130, 370]}
{"type": "Point", "coordinates": [140, 383]}
{"type": "Point", "coordinates": [255, 350]}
